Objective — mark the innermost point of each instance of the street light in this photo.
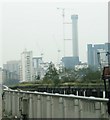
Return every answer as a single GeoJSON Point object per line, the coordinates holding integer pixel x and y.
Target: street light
{"type": "Point", "coordinates": [106, 77]}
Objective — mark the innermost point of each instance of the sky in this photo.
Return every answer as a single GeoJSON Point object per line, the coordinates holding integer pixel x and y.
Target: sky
{"type": "Point", "coordinates": [38, 26]}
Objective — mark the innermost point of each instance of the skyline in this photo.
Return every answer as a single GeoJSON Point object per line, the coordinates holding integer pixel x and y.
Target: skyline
{"type": "Point", "coordinates": [26, 21]}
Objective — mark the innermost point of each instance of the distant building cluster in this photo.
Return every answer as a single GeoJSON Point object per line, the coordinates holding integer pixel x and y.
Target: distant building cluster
{"type": "Point", "coordinates": [10, 71]}
{"type": "Point", "coordinates": [98, 54]}
{"type": "Point", "coordinates": [27, 69]}
{"type": "Point", "coordinates": [30, 68]}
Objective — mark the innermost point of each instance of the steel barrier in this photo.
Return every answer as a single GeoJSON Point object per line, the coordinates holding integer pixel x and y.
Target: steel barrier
{"type": "Point", "coordinates": [26, 104]}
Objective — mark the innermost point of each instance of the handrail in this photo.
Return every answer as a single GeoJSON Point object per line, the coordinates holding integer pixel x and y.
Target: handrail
{"type": "Point", "coordinates": [60, 95]}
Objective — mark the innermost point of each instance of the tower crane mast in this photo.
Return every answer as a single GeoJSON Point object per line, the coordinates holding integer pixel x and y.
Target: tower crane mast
{"type": "Point", "coordinates": [63, 16]}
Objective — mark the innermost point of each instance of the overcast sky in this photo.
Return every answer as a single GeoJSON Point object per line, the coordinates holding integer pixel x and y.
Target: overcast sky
{"type": "Point", "coordinates": [38, 27]}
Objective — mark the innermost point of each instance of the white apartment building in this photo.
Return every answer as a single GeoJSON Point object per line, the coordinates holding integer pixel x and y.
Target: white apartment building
{"type": "Point", "coordinates": [26, 66]}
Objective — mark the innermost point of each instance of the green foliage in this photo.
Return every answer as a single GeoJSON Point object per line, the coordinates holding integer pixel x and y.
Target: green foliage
{"type": "Point", "coordinates": [52, 75]}
{"type": "Point", "coordinates": [81, 75]}
{"type": "Point", "coordinates": [47, 81]}
{"type": "Point", "coordinates": [91, 75]}
{"type": "Point", "coordinates": [37, 77]}
{"type": "Point", "coordinates": [70, 75]}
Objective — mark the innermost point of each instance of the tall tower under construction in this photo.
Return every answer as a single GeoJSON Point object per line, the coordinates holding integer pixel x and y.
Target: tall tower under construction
{"type": "Point", "coordinates": [71, 61]}
{"type": "Point", "coordinates": [74, 35]}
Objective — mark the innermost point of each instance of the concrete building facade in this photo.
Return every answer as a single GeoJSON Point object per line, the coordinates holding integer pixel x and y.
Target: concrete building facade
{"type": "Point", "coordinates": [26, 66]}
{"type": "Point", "coordinates": [93, 57]}
{"type": "Point", "coordinates": [7, 77]}
{"type": "Point", "coordinates": [70, 62]}
{"type": "Point", "coordinates": [37, 61]}
{"type": "Point", "coordinates": [13, 67]}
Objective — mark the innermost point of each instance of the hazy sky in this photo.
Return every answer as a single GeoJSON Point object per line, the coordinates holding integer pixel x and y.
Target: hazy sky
{"type": "Point", "coordinates": [38, 27]}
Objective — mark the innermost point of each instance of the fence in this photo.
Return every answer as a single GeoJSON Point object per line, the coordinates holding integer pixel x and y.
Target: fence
{"type": "Point", "coordinates": [17, 104]}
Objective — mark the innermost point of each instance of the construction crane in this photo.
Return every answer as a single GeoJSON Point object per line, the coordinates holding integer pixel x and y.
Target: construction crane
{"type": "Point", "coordinates": [63, 16]}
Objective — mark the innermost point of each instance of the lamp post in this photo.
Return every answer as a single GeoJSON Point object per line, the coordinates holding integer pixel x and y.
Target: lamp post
{"type": "Point", "coordinates": [105, 72]}
{"type": "Point", "coordinates": [106, 77]}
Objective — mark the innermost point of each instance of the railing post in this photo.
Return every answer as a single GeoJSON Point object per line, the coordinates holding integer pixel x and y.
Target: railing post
{"type": "Point", "coordinates": [18, 105]}
{"type": "Point", "coordinates": [25, 105]}
{"type": "Point", "coordinates": [39, 107]}
{"type": "Point", "coordinates": [65, 109]}
{"type": "Point", "coordinates": [97, 109]}
{"type": "Point", "coordinates": [84, 92]}
{"type": "Point", "coordinates": [35, 106]}
{"type": "Point", "coordinates": [6, 103]}
{"type": "Point", "coordinates": [30, 106]}
{"type": "Point", "coordinates": [61, 108]}
{"type": "Point", "coordinates": [49, 107]}
{"type": "Point", "coordinates": [76, 108]}
{"type": "Point", "coordinates": [103, 94]}
{"type": "Point", "coordinates": [77, 92]}
{"type": "Point", "coordinates": [9, 103]}
{"type": "Point", "coordinates": [13, 104]}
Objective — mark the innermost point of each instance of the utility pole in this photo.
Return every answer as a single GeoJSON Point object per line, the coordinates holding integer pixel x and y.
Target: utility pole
{"type": "Point", "coordinates": [105, 70]}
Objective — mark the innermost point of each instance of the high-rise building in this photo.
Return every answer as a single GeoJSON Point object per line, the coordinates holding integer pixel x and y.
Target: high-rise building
{"type": "Point", "coordinates": [92, 54]}
{"type": "Point", "coordinates": [37, 61]}
{"type": "Point", "coordinates": [7, 77]}
{"type": "Point", "coordinates": [71, 61]}
{"type": "Point", "coordinates": [26, 66]}
{"type": "Point", "coordinates": [13, 67]}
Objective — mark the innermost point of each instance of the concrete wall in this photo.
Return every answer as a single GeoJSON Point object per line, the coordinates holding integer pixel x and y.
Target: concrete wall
{"type": "Point", "coordinates": [46, 105]}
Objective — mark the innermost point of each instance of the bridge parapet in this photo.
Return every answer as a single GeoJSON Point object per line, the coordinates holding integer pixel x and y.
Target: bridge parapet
{"type": "Point", "coordinates": [19, 104]}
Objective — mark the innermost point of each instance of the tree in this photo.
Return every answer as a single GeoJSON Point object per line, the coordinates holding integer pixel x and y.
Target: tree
{"type": "Point", "coordinates": [70, 75]}
{"type": "Point", "coordinates": [83, 75]}
{"type": "Point", "coordinates": [52, 74]}
{"type": "Point", "coordinates": [91, 75]}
